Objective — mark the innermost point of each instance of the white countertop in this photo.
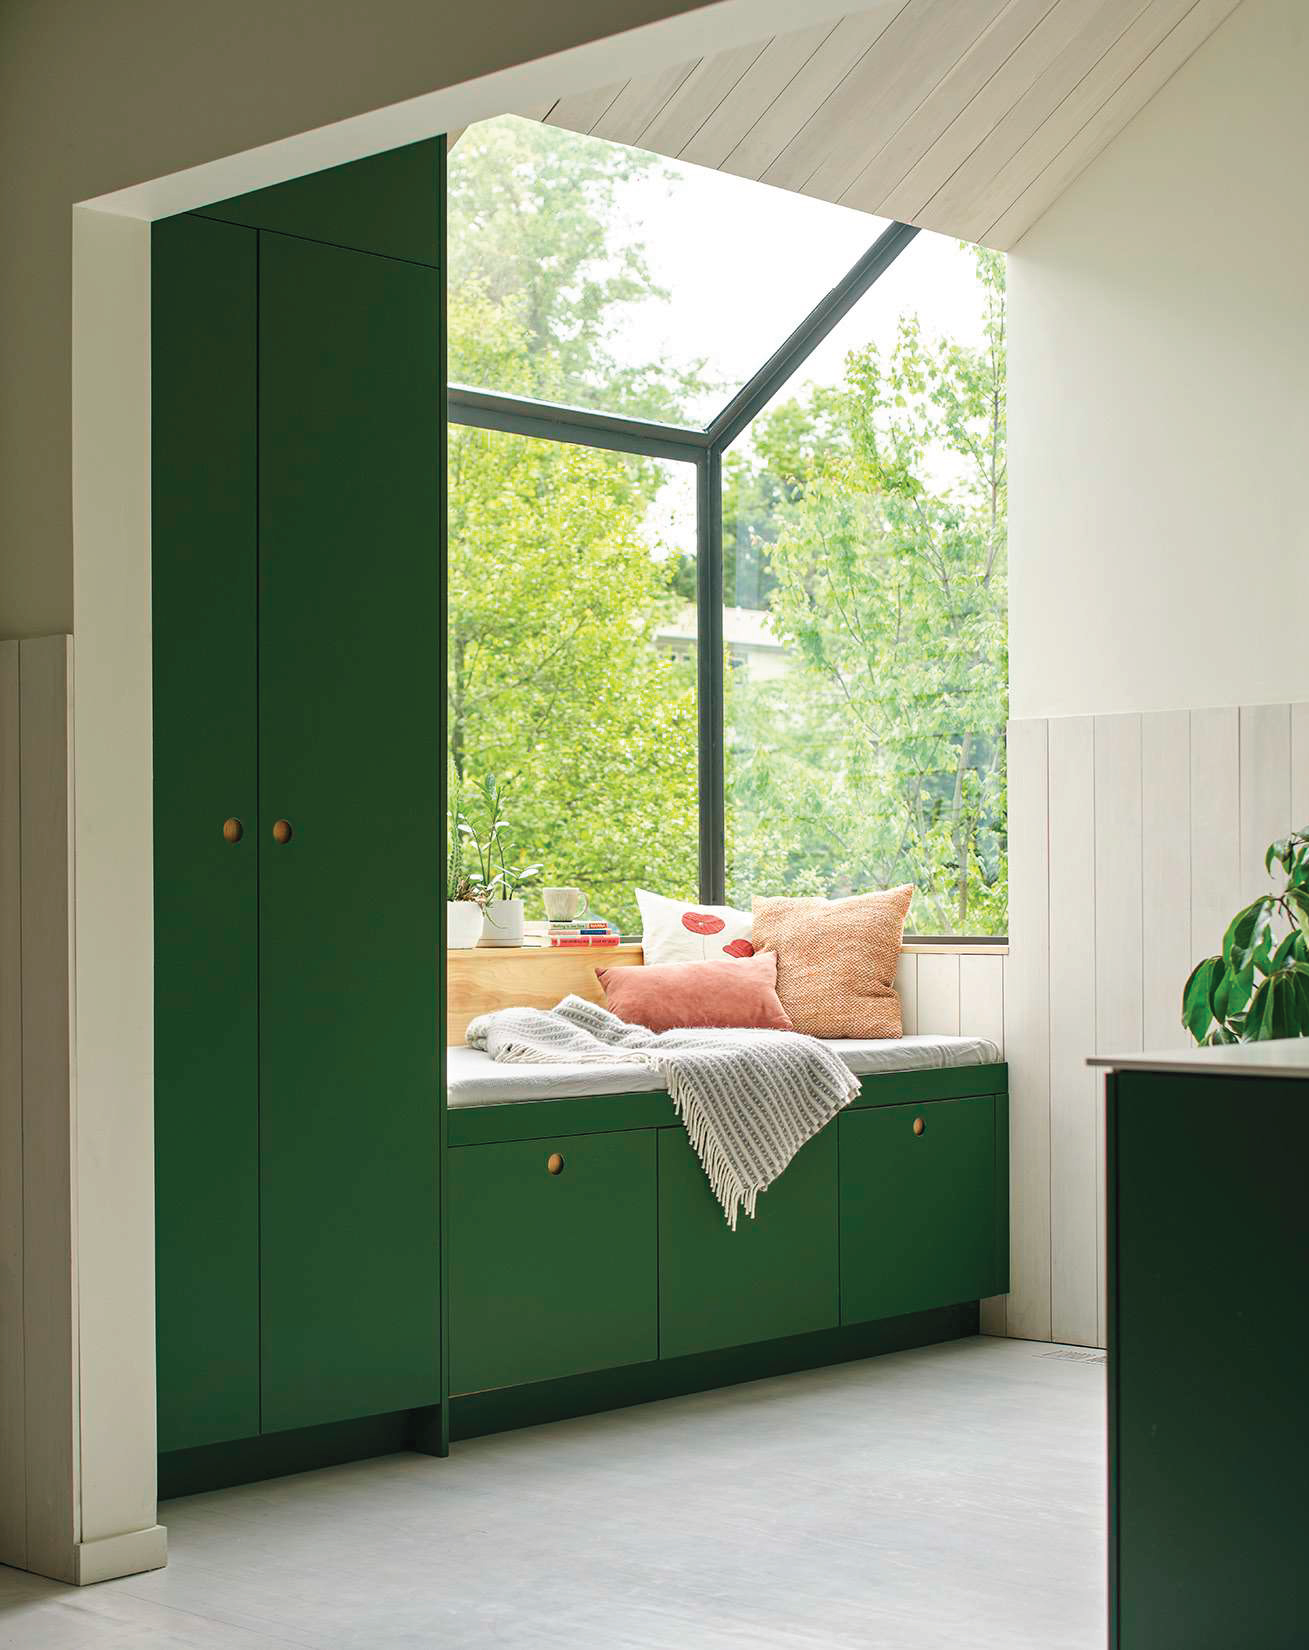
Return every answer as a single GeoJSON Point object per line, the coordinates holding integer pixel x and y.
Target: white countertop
{"type": "Point", "coordinates": [1282, 1057]}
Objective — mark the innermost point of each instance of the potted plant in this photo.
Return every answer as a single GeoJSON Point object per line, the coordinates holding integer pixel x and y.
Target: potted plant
{"type": "Point", "coordinates": [1258, 986]}
{"type": "Point", "coordinates": [463, 905]}
{"type": "Point", "coordinates": [496, 880]}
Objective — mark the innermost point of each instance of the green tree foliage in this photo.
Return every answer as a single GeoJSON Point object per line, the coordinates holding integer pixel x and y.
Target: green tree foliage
{"type": "Point", "coordinates": [536, 239]}
{"type": "Point", "coordinates": [555, 593]}
{"type": "Point", "coordinates": [866, 520]}
{"type": "Point", "coordinates": [881, 758]}
{"type": "Point", "coordinates": [557, 578]}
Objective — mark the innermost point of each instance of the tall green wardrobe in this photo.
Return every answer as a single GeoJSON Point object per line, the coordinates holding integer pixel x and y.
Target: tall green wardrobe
{"type": "Point", "coordinates": [298, 568]}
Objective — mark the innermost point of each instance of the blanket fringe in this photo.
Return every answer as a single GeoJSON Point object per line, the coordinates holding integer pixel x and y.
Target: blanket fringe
{"type": "Point", "coordinates": [727, 1186]}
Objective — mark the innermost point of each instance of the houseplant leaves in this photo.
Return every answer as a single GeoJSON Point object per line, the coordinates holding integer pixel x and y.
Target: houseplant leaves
{"type": "Point", "coordinates": [1257, 987]}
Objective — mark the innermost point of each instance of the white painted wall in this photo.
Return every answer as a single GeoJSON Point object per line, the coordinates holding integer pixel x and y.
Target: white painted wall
{"type": "Point", "coordinates": [1158, 421]}
{"type": "Point", "coordinates": [1159, 564]}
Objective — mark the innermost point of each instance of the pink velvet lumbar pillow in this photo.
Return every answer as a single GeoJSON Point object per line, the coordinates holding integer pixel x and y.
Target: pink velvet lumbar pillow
{"type": "Point", "coordinates": [726, 991]}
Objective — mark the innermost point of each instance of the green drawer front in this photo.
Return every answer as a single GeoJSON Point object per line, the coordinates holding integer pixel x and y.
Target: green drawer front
{"type": "Point", "coordinates": [552, 1274]}
{"type": "Point", "coordinates": [917, 1210]}
{"type": "Point", "coordinates": [775, 1275]}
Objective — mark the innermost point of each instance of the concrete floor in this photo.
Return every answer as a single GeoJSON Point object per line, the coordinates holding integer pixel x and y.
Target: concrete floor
{"type": "Point", "coordinates": [952, 1496]}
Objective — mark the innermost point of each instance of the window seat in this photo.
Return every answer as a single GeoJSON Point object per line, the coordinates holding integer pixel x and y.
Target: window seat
{"type": "Point", "coordinates": [475, 1079]}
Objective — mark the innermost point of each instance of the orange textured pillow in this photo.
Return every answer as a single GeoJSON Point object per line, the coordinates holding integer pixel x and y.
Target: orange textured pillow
{"type": "Point", "coordinates": [726, 991]}
{"type": "Point", "coordinates": [836, 959]}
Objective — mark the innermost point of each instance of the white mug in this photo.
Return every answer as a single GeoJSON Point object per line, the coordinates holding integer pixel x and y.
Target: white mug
{"type": "Point", "coordinates": [563, 904]}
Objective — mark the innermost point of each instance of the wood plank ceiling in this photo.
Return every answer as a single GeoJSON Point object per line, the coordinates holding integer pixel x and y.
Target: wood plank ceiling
{"type": "Point", "coordinates": [965, 116]}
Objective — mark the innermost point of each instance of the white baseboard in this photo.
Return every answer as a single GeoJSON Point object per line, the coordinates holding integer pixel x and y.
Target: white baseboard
{"type": "Point", "coordinates": [121, 1555]}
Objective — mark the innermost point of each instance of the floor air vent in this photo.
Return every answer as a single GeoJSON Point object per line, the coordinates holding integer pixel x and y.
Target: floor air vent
{"type": "Point", "coordinates": [1071, 1357]}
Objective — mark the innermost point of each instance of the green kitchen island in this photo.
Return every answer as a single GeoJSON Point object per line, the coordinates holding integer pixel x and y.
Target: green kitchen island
{"type": "Point", "coordinates": [1208, 1256]}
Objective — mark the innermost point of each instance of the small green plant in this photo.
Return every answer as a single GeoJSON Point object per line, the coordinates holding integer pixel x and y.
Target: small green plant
{"type": "Point", "coordinates": [495, 878]}
{"type": "Point", "coordinates": [1258, 987]}
{"type": "Point", "coordinates": [458, 882]}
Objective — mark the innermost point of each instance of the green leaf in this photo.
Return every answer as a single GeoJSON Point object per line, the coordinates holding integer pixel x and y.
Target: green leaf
{"type": "Point", "coordinates": [1281, 1016]}
{"type": "Point", "coordinates": [1249, 935]}
{"type": "Point", "coordinates": [1279, 851]}
{"type": "Point", "coordinates": [1231, 993]}
{"type": "Point", "coordinates": [1256, 1021]}
{"type": "Point", "coordinates": [1197, 997]}
{"type": "Point", "coordinates": [1297, 867]}
{"type": "Point", "coordinates": [1298, 900]}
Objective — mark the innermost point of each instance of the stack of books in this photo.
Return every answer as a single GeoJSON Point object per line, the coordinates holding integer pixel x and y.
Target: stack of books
{"type": "Point", "coordinates": [583, 931]}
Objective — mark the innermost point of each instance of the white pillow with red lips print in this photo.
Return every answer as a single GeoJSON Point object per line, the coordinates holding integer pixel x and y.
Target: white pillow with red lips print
{"type": "Point", "coordinates": [674, 931]}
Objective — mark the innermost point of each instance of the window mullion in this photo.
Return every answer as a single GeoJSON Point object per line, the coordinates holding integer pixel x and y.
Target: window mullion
{"type": "Point", "coordinates": [709, 675]}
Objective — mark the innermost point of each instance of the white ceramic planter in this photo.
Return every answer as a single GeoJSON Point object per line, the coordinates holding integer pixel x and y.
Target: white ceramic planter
{"type": "Point", "coordinates": [502, 923]}
{"type": "Point", "coordinates": [463, 924]}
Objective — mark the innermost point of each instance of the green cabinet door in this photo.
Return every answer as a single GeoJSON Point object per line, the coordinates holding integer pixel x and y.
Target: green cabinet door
{"type": "Point", "coordinates": [206, 887]}
{"type": "Point", "coordinates": [551, 1274]}
{"type": "Point", "coordinates": [350, 688]}
{"type": "Point", "coordinates": [917, 1207]}
{"type": "Point", "coordinates": [775, 1275]}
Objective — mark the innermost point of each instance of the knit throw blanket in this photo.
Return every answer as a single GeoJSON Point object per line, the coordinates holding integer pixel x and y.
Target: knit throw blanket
{"type": "Point", "coordinates": [748, 1099]}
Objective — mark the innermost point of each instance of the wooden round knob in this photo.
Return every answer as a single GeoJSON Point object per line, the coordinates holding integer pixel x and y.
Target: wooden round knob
{"type": "Point", "coordinates": [233, 830]}
{"type": "Point", "coordinates": [282, 830]}
{"type": "Point", "coordinates": [555, 1163]}
{"type": "Point", "coordinates": [919, 1125]}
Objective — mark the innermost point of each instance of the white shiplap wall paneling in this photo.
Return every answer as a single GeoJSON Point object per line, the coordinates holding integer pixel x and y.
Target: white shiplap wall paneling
{"type": "Point", "coordinates": [912, 55]}
{"type": "Point", "coordinates": [809, 88]}
{"type": "Point", "coordinates": [938, 994]}
{"type": "Point", "coordinates": [580, 112]}
{"type": "Point", "coordinates": [1070, 110]}
{"type": "Point", "coordinates": [1027, 1031]}
{"type": "Point", "coordinates": [724, 121]}
{"type": "Point", "coordinates": [1119, 940]}
{"type": "Point", "coordinates": [1074, 1226]}
{"type": "Point", "coordinates": [1215, 826]}
{"type": "Point", "coordinates": [13, 1470]}
{"type": "Point", "coordinates": [965, 116]}
{"type": "Point", "coordinates": [906, 983]}
{"type": "Point", "coordinates": [972, 125]}
{"type": "Point", "coordinates": [1082, 34]}
{"type": "Point", "coordinates": [1125, 101]}
{"type": "Point", "coordinates": [1265, 733]}
{"type": "Point", "coordinates": [711, 82]}
{"type": "Point", "coordinates": [981, 998]}
{"type": "Point", "coordinates": [1300, 767]}
{"type": "Point", "coordinates": [639, 102]}
{"type": "Point", "coordinates": [1166, 953]}
{"type": "Point", "coordinates": [906, 147]}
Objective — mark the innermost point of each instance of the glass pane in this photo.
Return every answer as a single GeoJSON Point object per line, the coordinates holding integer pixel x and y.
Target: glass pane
{"type": "Point", "coordinates": [604, 277]}
{"type": "Point", "coordinates": [572, 667]}
{"type": "Point", "coordinates": [865, 618]}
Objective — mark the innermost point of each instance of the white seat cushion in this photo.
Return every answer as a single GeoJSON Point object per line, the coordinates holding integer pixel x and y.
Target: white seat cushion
{"type": "Point", "coordinates": [475, 1079]}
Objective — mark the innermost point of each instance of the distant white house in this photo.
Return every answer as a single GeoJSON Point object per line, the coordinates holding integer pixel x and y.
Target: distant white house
{"type": "Point", "coordinates": [750, 642]}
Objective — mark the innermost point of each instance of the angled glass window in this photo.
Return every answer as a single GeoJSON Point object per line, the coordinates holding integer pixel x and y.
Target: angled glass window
{"type": "Point", "coordinates": [864, 606]}
{"type": "Point", "coordinates": [593, 275]}
{"type": "Point", "coordinates": [847, 546]}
